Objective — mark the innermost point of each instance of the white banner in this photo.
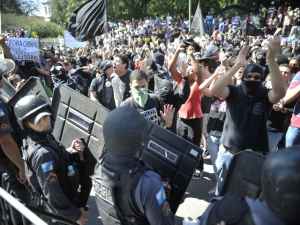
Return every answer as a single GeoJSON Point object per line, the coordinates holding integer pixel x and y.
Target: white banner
{"type": "Point", "coordinates": [24, 48]}
{"type": "Point", "coordinates": [197, 24]}
{"type": "Point", "coordinates": [71, 42]}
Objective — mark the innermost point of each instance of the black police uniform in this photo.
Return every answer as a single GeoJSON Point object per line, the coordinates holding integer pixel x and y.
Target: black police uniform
{"type": "Point", "coordinates": [132, 196]}
{"type": "Point", "coordinates": [236, 210]}
{"type": "Point", "coordinates": [53, 173]}
{"type": "Point", "coordinates": [127, 191]}
{"type": "Point", "coordinates": [280, 192]}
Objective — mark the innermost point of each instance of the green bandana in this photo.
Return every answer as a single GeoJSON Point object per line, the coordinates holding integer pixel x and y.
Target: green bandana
{"type": "Point", "coordinates": [140, 96]}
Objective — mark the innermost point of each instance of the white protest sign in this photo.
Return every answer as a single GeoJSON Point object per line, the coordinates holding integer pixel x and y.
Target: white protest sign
{"type": "Point", "coordinates": [71, 42]}
{"type": "Point", "coordinates": [24, 48]}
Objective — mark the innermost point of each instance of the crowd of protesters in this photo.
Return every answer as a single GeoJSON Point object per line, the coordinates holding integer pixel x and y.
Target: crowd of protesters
{"type": "Point", "coordinates": [225, 91]}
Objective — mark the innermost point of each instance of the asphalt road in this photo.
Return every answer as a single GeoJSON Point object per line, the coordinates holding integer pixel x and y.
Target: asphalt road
{"type": "Point", "coordinates": [194, 204]}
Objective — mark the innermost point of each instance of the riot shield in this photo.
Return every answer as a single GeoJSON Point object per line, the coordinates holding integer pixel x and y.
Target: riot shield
{"type": "Point", "coordinates": [77, 116]}
{"type": "Point", "coordinates": [7, 90]}
{"type": "Point", "coordinates": [33, 86]}
{"type": "Point", "coordinates": [174, 158]}
{"type": "Point", "coordinates": [244, 175]}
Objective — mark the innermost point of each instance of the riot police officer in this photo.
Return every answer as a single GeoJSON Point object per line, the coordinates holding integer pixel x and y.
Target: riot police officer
{"type": "Point", "coordinates": [51, 171]}
{"type": "Point", "coordinates": [7, 142]}
{"type": "Point", "coordinates": [59, 76]}
{"type": "Point", "coordinates": [280, 203]}
{"type": "Point", "coordinates": [82, 76]}
{"type": "Point", "coordinates": [127, 191]}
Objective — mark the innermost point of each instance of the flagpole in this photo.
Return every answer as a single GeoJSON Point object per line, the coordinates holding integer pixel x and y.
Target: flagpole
{"type": "Point", "coordinates": [190, 15]}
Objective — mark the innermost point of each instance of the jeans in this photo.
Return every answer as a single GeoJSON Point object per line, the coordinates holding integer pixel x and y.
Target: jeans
{"type": "Point", "coordinates": [292, 137]}
{"type": "Point", "coordinates": [274, 139]}
{"type": "Point", "coordinates": [223, 161]}
{"type": "Point", "coordinates": [213, 143]}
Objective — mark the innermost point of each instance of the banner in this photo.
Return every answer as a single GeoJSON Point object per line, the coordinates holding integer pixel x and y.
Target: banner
{"type": "Point", "coordinates": [89, 20]}
{"type": "Point", "coordinates": [197, 24]}
{"type": "Point", "coordinates": [24, 49]}
{"type": "Point", "coordinates": [71, 42]}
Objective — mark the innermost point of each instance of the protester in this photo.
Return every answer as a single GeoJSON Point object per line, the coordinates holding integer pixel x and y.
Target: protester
{"type": "Point", "coordinates": [247, 107]}
{"type": "Point", "coordinates": [101, 89]}
{"type": "Point", "coordinates": [213, 90]}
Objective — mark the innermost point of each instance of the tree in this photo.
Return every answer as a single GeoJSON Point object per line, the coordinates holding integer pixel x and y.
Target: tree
{"type": "Point", "coordinates": [10, 6]}
{"type": "Point", "coordinates": [59, 11]}
{"type": "Point", "coordinates": [28, 6]}
{"type": "Point", "coordinates": [25, 7]}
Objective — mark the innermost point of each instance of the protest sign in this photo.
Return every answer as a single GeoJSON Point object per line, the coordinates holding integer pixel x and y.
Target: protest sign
{"type": "Point", "coordinates": [24, 48]}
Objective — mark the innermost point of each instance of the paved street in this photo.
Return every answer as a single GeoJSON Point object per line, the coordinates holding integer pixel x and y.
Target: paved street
{"type": "Point", "coordinates": [194, 204]}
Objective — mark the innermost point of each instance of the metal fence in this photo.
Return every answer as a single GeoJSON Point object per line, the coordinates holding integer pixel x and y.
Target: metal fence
{"type": "Point", "coordinates": [21, 208]}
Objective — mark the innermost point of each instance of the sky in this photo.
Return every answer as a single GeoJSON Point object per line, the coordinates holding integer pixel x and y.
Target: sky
{"type": "Point", "coordinates": [38, 12]}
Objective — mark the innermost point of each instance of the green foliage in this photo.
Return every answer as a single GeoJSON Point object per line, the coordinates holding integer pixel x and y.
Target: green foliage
{"type": "Point", "coordinates": [135, 9]}
{"type": "Point", "coordinates": [35, 25]}
{"type": "Point", "coordinates": [18, 6]}
{"type": "Point", "coordinates": [10, 6]}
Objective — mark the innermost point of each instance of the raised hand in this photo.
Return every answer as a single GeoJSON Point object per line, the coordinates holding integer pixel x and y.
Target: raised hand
{"type": "Point", "coordinates": [168, 114]}
{"type": "Point", "coordinates": [273, 48]}
{"type": "Point", "coordinates": [242, 57]}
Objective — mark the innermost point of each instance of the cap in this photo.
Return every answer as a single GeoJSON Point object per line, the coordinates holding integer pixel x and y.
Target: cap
{"type": "Point", "coordinates": [39, 116]}
{"type": "Point", "coordinates": [104, 65]}
{"type": "Point", "coordinates": [210, 53]}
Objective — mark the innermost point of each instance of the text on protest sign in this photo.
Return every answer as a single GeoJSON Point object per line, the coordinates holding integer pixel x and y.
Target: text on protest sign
{"type": "Point", "coordinates": [24, 48]}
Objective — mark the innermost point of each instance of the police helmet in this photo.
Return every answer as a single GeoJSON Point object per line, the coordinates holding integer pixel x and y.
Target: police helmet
{"type": "Point", "coordinates": [31, 107]}
{"type": "Point", "coordinates": [6, 66]}
{"type": "Point", "coordinates": [281, 182]}
{"type": "Point", "coordinates": [58, 70]}
{"type": "Point", "coordinates": [124, 131]}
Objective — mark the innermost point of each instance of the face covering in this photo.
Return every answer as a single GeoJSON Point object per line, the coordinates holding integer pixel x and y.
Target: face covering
{"type": "Point", "coordinates": [140, 96]}
{"type": "Point", "coordinates": [251, 87]}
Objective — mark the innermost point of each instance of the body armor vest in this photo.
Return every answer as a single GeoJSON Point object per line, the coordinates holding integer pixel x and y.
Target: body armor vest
{"type": "Point", "coordinates": [67, 170]}
{"type": "Point", "coordinates": [115, 196]}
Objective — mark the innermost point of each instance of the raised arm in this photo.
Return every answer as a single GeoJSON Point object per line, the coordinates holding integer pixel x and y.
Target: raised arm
{"type": "Point", "coordinates": [293, 92]}
{"type": "Point", "coordinates": [172, 65]}
{"type": "Point", "coordinates": [220, 88]}
{"type": "Point", "coordinates": [207, 83]}
{"type": "Point", "coordinates": [278, 89]}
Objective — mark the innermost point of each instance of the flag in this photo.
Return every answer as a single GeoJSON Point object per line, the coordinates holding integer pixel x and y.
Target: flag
{"type": "Point", "coordinates": [71, 42]}
{"type": "Point", "coordinates": [89, 20]}
{"type": "Point", "coordinates": [197, 24]}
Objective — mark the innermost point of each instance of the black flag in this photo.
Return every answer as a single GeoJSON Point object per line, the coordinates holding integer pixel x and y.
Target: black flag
{"type": "Point", "coordinates": [89, 20]}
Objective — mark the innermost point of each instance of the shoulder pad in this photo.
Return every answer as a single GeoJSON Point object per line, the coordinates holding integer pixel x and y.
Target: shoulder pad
{"type": "Point", "coordinates": [231, 209]}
